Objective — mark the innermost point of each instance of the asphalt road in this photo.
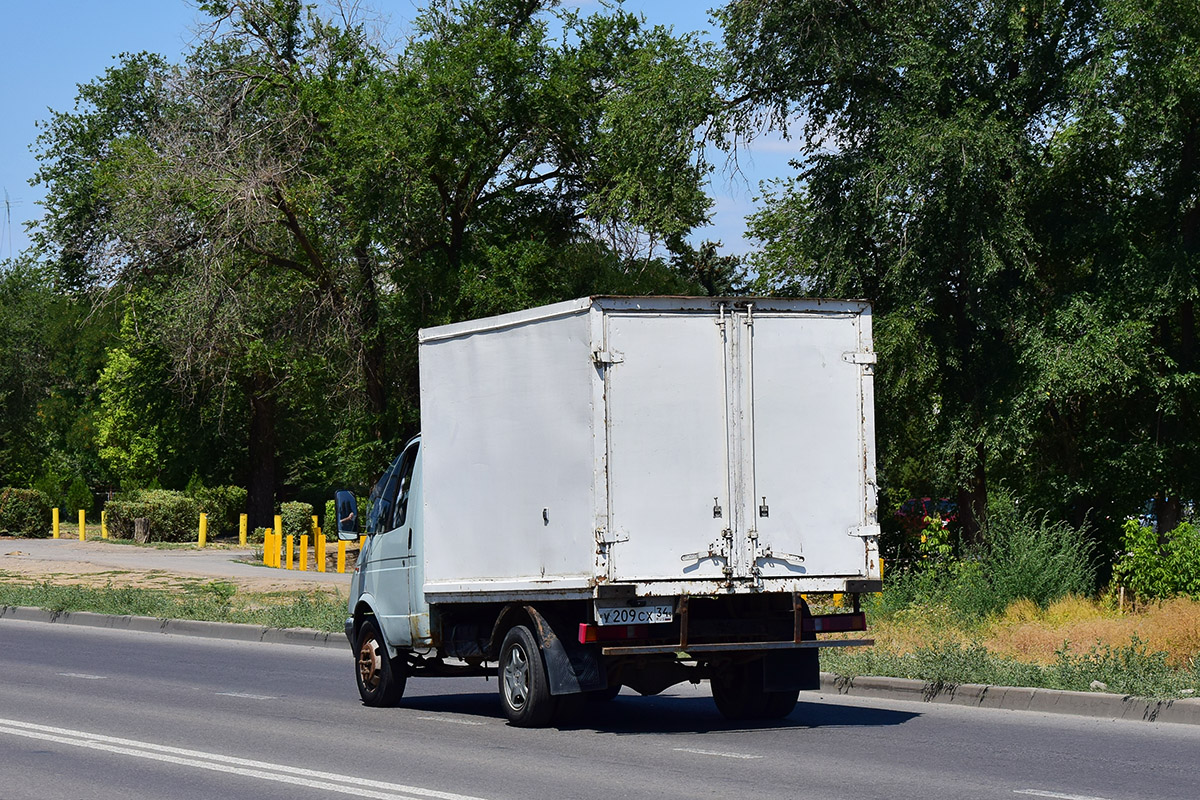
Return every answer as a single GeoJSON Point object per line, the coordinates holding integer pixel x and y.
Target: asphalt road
{"type": "Point", "coordinates": [95, 713]}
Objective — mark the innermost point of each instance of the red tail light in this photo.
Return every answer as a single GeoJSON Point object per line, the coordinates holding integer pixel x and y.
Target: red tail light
{"type": "Point", "coordinates": [607, 633]}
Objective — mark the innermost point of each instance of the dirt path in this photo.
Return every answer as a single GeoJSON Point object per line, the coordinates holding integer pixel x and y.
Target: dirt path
{"type": "Point", "coordinates": [99, 563]}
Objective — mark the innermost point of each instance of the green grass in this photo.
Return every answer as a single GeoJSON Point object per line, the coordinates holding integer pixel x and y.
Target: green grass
{"type": "Point", "coordinates": [1129, 670]}
{"type": "Point", "coordinates": [216, 601]}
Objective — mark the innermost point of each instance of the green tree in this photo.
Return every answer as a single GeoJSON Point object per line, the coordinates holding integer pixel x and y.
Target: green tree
{"type": "Point", "coordinates": [1013, 186]}
{"type": "Point", "coordinates": [24, 371]}
{"type": "Point", "coordinates": [300, 202]}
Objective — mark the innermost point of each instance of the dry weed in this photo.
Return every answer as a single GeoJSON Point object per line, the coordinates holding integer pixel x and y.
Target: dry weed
{"type": "Point", "coordinates": [1027, 633]}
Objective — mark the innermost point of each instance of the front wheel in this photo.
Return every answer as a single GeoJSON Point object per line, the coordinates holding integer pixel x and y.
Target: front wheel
{"type": "Point", "coordinates": [380, 679]}
{"type": "Point", "coordinates": [524, 686]}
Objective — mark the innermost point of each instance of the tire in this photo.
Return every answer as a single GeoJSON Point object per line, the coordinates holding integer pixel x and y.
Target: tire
{"type": "Point", "coordinates": [604, 695]}
{"type": "Point", "coordinates": [739, 694]}
{"type": "Point", "coordinates": [380, 679]}
{"type": "Point", "coordinates": [780, 704]}
{"type": "Point", "coordinates": [524, 686]}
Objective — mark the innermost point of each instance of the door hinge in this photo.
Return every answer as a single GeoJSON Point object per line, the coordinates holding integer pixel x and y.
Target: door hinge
{"type": "Point", "coordinates": [864, 531]}
{"type": "Point", "coordinates": [604, 537]}
{"type": "Point", "coordinates": [856, 357]}
{"type": "Point", "coordinates": [605, 357]}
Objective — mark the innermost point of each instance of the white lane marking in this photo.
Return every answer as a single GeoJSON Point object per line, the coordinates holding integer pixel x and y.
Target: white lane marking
{"type": "Point", "coordinates": [714, 753]}
{"type": "Point", "coordinates": [83, 676]}
{"type": "Point", "coordinates": [454, 721]}
{"type": "Point", "coordinates": [281, 773]}
{"type": "Point", "coordinates": [246, 696]}
{"type": "Point", "coordinates": [1056, 795]}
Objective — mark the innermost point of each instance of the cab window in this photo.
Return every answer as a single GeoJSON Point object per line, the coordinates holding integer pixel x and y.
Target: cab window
{"type": "Point", "coordinates": [409, 464]}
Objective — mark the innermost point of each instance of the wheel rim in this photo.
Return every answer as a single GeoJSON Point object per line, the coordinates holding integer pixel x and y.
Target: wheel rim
{"type": "Point", "coordinates": [516, 677]}
{"type": "Point", "coordinates": [369, 663]}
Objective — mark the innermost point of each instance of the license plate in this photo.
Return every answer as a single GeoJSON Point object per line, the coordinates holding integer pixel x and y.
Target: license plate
{"type": "Point", "coordinates": [635, 615]}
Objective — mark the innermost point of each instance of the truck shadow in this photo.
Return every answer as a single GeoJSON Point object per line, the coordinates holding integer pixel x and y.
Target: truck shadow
{"type": "Point", "coordinates": [635, 715]}
{"type": "Point", "coordinates": [631, 714]}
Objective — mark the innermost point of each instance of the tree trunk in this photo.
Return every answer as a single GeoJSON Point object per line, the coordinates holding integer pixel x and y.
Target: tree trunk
{"type": "Point", "coordinates": [972, 501]}
{"type": "Point", "coordinates": [1166, 513]}
{"type": "Point", "coordinates": [373, 348]}
{"type": "Point", "coordinates": [260, 501]}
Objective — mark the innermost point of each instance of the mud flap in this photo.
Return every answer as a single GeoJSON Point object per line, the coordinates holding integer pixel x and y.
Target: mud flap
{"type": "Point", "coordinates": [789, 670]}
{"type": "Point", "coordinates": [571, 667]}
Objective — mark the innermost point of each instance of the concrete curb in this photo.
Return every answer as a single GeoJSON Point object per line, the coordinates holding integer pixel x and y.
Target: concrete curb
{"type": "Point", "coordinates": [1015, 698]}
{"type": "Point", "coordinates": [180, 627]}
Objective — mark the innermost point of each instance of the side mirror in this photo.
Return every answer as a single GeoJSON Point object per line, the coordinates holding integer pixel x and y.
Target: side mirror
{"type": "Point", "coordinates": [347, 512]}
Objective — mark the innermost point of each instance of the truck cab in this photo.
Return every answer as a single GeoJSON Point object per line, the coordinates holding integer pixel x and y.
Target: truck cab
{"type": "Point", "coordinates": [389, 573]}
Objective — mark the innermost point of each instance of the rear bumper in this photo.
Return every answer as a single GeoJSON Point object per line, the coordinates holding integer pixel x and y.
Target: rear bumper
{"type": "Point", "coordinates": [730, 647]}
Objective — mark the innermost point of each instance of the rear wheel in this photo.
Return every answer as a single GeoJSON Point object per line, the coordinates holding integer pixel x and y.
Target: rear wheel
{"type": "Point", "coordinates": [524, 686]}
{"type": "Point", "coordinates": [780, 704]}
{"type": "Point", "coordinates": [380, 679]}
{"type": "Point", "coordinates": [738, 692]}
{"type": "Point", "coordinates": [605, 695]}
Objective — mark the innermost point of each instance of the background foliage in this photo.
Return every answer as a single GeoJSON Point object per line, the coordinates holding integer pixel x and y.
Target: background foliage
{"type": "Point", "coordinates": [238, 249]}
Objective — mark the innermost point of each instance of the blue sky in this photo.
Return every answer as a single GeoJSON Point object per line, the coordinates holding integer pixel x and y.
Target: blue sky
{"type": "Point", "coordinates": [48, 47]}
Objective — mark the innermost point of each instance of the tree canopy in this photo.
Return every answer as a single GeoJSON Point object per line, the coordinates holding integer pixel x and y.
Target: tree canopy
{"type": "Point", "coordinates": [238, 249]}
{"type": "Point", "coordinates": [1013, 185]}
{"type": "Point", "coordinates": [294, 200]}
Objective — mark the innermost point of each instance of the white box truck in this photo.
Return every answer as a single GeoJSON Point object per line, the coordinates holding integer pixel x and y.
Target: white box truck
{"type": "Point", "coordinates": [620, 491]}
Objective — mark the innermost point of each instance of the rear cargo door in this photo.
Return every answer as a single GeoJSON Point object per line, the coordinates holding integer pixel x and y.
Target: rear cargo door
{"type": "Point", "coordinates": [668, 459]}
{"type": "Point", "coordinates": [805, 399]}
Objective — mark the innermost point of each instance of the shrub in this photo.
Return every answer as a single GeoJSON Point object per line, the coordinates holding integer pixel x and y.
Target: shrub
{"type": "Point", "coordinates": [24, 512]}
{"type": "Point", "coordinates": [79, 496]}
{"type": "Point", "coordinates": [173, 516]}
{"type": "Point", "coordinates": [1027, 556]}
{"type": "Point", "coordinates": [224, 506]}
{"type": "Point", "coordinates": [297, 519]}
{"type": "Point", "coordinates": [1024, 556]}
{"type": "Point", "coordinates": [1159, 568]}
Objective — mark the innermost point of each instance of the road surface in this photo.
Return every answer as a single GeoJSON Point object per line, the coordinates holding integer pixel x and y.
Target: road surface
{"type": "Point", "coordinates": [96, 713]}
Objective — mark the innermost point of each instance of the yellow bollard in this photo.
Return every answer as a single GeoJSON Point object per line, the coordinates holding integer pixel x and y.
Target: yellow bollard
{"type": "Point", "coordinates": [290, 547]}
{"type": "Point", "coordinates": [341, 562]}
{"type": "Point", "coordinates": [837, 599]}
{"type": "Point", "coordinates": [266, 548]}
{"type": "Point", "coordinates": [362, 542]}
{"type": "Point", "coordinates": [316, 529]}
{"type": "Point", "coordinates": [304, 552]}
{"type": "Point", "coordinates": [203, 529]}
{"type": "Point", "coordinates": [242, 526]}
{"type": "Point", "coordinates": [82, 522]}
{"type": "Point", "coordinates": [278, 539]}
{"type": "Point", "coordinates": [270, 549]}
{"type": "Point", "coordinates": [103, 524]}
{"type": "Point", "coordinates": [54, 517]}
{"type": "Point", "coordinates": [319, 551]}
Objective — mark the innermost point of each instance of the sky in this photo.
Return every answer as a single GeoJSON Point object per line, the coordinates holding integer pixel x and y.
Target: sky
{"type": "Point", "coordinates": [49, 47]}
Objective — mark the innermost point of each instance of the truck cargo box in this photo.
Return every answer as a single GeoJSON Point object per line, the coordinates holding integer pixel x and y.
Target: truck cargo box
{"type": "Point", "coordinates": [692, 446]}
